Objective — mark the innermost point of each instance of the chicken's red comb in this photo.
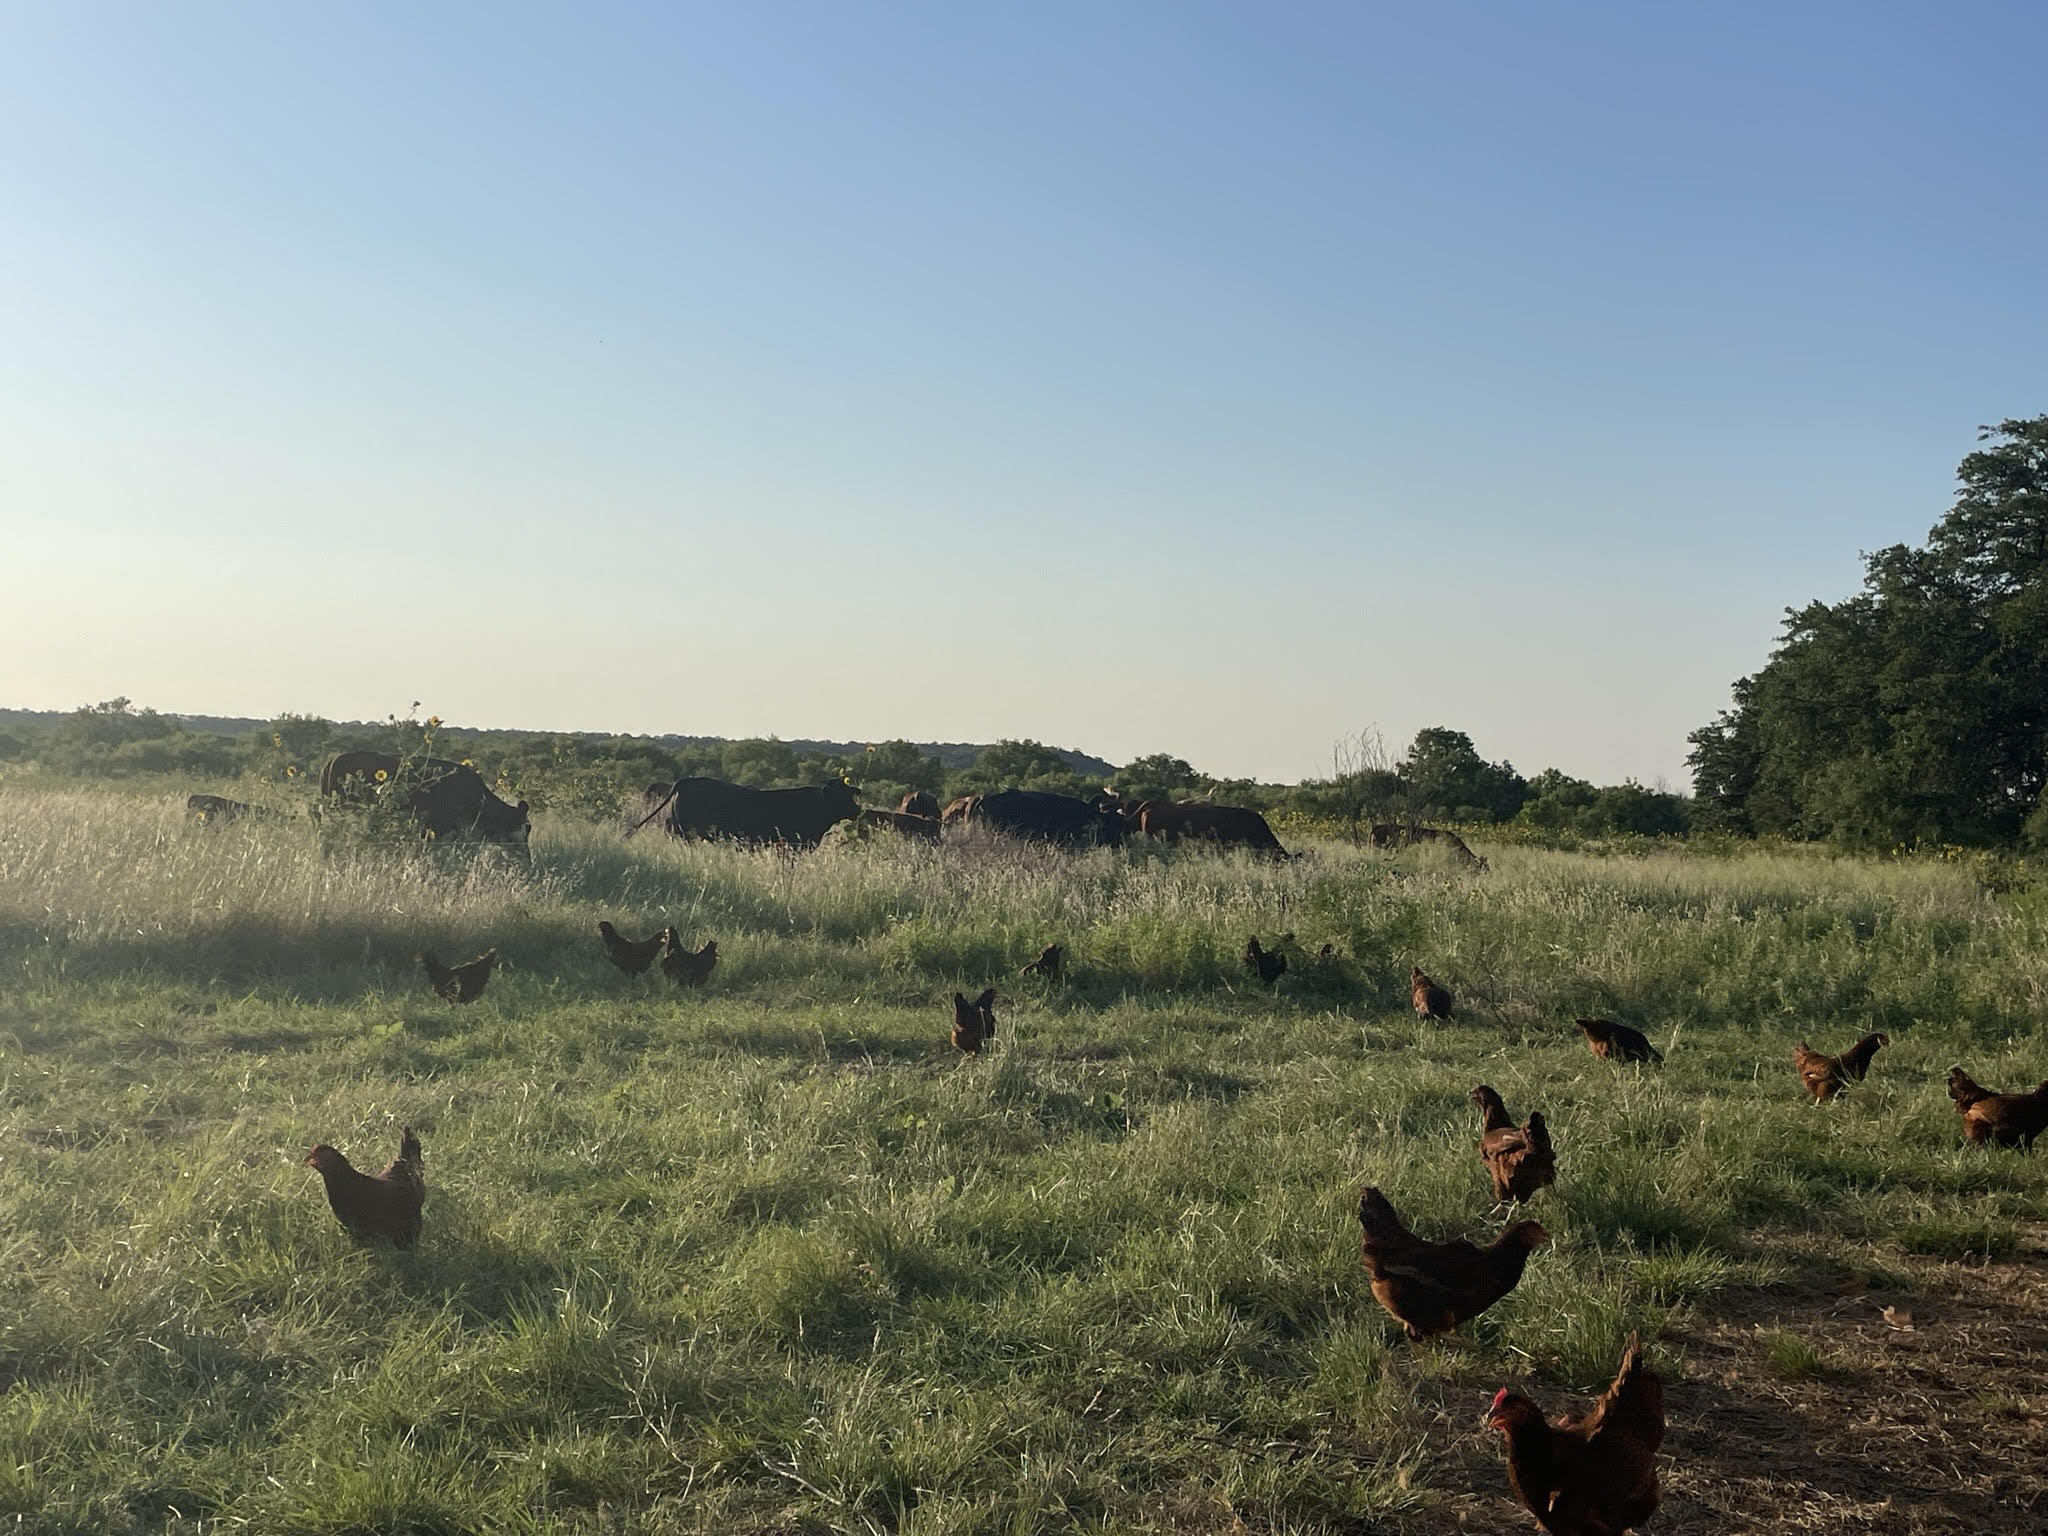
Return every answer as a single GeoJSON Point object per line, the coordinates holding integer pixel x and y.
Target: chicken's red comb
{"type": "Point", "coordinates": [1498, 1398]}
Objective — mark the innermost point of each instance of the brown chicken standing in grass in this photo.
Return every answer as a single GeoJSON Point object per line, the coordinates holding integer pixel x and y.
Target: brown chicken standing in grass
{"type": "Point", "coordinates": [462, 983]}
{"type": "Point", "coordinates": [1596, 1474]}
{"type": "Point", "coordinates": [1519, 1161]}
{"type": "Point", "coordinates": [682, 967]}
{"type": "Point", "coordinates": [381, 1207]}
{"type": "Point", "coordinates": [1050, 964]}
{"type": "Point", "coordinates": [1825, 1076]}
{"type": "Point", "coordinates": [1430, 1288]}
{"type": "Point", "coordinates": [975, 1022]}
{"type": "Point", "coordinates": [1431, 1001]}
{"type": "Point", "coordinates": [632, 956]}
{"type": "Point", "coordinates": [1617, 1042]}
{"type": "Point", "coordinates": [2005, 1119]}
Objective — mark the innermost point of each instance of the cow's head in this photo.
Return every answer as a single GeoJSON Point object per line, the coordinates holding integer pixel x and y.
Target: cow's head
{"type": "Point", "coordinates": [497, 822]}
{"type": "Point", "coordinates": [840, 800]}
{"type": "Point", "coordinates": [1109, 827]}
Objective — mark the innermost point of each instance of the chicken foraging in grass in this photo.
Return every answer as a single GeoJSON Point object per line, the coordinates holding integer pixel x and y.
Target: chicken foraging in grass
{"type": "Point", "coordinates": [632, 956]}
{"type": "Point", "coordinates": [1431, 1001]}
{"type": "Point", "coordinates": [1595, 1474]}
{"type": "Point", "coordinates": [1430, 1288]}
{"type": "Point", "coordinates": [462, 983]}
{"type": "Point", "coordinates": [1050, 964]}
{"type": "Point", "coordinates": [682, 967]}
{"type": "Point", "coordinates": [1326, 954]}
{"type": "Point", "coordinates": [975, 1022]}
{"type": "Point", "coordinates": [1518, 1160]}
{"type": "Point", "coordinates": [1617, 1042]}
{"type": "Point", "coordinates": [384, 1207]}
{"type": "Point", "coordinates": [1269, 963]}
{"type": "Point", "coordinates": [1825, 1076]}
{"type": "Point", "coordinates": [2006, 1119]}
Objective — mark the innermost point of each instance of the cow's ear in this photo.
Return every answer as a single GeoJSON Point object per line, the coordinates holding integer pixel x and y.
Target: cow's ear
{"type": "Point", "coordinates": [521, 807]}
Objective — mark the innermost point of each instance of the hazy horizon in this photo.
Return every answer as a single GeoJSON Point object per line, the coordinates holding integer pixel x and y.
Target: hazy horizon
{"type": "Point", "coordinates": [1164, 378]}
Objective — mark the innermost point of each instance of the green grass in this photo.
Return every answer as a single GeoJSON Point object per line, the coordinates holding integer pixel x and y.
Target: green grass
{"type": "Point", "coordinates": [769, 1257]}
{"type": "Point", "coordinates": [1791, 1358]}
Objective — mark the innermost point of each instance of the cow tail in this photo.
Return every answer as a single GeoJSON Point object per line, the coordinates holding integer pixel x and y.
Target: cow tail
{"type": "Point", "coordinates": [665, 799]}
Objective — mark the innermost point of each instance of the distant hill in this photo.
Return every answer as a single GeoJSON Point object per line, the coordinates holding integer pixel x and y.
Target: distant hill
{"type": "Point", "coordinates": [954, 755]}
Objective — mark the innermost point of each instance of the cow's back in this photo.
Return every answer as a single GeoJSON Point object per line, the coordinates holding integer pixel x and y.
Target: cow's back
{"type": "Point", "coordinates": [355, 764]}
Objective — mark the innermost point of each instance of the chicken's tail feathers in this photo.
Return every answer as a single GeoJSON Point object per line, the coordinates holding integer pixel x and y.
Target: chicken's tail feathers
{"type": "Point", "coordinates": [409, 1147]}
{"type": "Point", "coordinates": [1636, 1399]}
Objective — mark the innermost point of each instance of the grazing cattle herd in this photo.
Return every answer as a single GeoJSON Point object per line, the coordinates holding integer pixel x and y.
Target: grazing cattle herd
{"type": "Point", "coordinates": [1594, 1475]}
{"type": "Point", "coordinates": [451, 802]}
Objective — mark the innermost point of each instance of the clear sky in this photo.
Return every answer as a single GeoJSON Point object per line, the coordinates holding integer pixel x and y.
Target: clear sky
{"type": "Point", "coordinates": [1138, 377]}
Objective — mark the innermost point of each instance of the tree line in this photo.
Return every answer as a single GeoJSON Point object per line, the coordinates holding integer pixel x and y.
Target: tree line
{"type": "Point", "coordinates": [1915, 711]}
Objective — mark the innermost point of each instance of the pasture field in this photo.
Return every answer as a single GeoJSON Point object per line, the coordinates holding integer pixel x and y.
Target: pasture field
{"type": "Point", "coordinates": [772, 1258]}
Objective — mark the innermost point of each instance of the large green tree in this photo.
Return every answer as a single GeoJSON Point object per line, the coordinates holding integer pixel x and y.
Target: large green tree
{"type": "Point", "coordinates": [1918, 708]}
{"type": "Point", "coordinates": [1448, 778]}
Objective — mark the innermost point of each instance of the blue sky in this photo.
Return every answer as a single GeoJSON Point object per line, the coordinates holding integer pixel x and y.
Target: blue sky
{"type": "Point", "coordinates": [1191, 378]}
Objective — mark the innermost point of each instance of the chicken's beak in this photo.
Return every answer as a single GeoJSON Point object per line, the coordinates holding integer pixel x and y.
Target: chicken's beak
{"type": "Point", "coordinates": [1493, 1419]}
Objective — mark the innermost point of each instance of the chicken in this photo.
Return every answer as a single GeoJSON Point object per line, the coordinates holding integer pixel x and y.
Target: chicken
{"type": "Point", "coordinates": [974, 1022]}
{"type": "Point", "coordinates": [462, 983]}
{"type": "Point", "coordinates": [1430, 1288]}
{"type": "Point", "coordinates": [1825, 1076]}
{"type": "Point", "coordinates": [682, 967]}
{"type": "Point", "coordinates": [385, 1206]}
{"type": "Point", "coordinates": [1595, 1475]}
{"type": "Point", "coordinates": [2008, 1119]}
{"type": "Point", "coordinates": [1617, 1042]}
{"type": "Point", "coordinates": [1431, 1000]}
{"type": "Point", "coordinates": [1051, 964]}
{"type": "Point", "coordinates": [1519, 1162]}
{"type": "Point", "coordinates": [1326, 954]}
{"type": "Point", "coordinates": [632, 956]}
{"type": "Point", "coordinates": [1269, 963]}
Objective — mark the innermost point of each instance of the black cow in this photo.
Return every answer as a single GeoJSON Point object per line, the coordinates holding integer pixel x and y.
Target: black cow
{"type": "Point", "coordinates": [450, 800]}
{"type": "Point", "coordinates": [1062, 819]}
{"type": "Point", "coordinates": [220, 808]}
{"type": "Point", "coordinates": [712, 808]}
{"type": "Point", "coordinates": [1231, 825]}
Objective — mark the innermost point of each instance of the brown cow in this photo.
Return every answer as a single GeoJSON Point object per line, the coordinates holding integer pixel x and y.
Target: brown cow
{"type": "Point", "coordinates": [1392, 834]}
{"type": "Point", "coordinates": [902, 823]}
{"type": "Point", "coordinates": [958, 811]}
{"type": "Point", "coordinates": [1233, 826]}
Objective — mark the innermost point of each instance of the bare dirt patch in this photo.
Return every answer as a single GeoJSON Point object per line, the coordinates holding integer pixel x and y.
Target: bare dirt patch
{"type": "Point", "coordinates": [1910, 1409]}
